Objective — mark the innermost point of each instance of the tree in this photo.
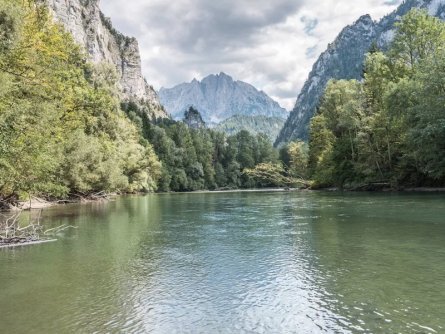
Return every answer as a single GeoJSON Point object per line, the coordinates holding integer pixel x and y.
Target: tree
{"type": "Point", "coordinates": [298, 159]}
{"type": "Point", "coordinates": [418, 36]}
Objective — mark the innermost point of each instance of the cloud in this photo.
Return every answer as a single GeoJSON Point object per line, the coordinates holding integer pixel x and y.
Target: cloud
{"type": "Point", "coordinates": [309, 24]}
{"type": "Point", "coordinates": [270, 44]}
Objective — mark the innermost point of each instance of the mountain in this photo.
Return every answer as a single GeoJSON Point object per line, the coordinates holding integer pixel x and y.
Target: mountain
{"type": "Point", "coordinates": [344, 59]}
{"type": "Point", "coordinates": [270, 126]}
{"type": "Point", "coordinates": [218, 97]}
{"type": "Point", "coordinates": [90, 28]}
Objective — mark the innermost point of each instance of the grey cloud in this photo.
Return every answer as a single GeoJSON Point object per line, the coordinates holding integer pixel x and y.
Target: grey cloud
{"type": "Point", "coordinates": [309, 24]}
{"type": "Point", "coordinates": [392, 2]}
{"type": "Point", "coordinates": [284, 93]}
{"type": "Point", "coordinates": [214, 26]}
{"type": "Point", "coordinates": [311, 52]}
{"type": "Point", "coordinates": [270, 44]}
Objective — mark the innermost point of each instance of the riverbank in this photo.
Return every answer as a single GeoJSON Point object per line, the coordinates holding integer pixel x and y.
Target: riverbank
{"type": "Point", "coordinates": [383, 187]}
{"type": "Point", "coordinates": [402, 190]}
{"type": "Point", "coordinates": [424, 190]}
{"type": "Point", "coordinates": [38, 203]}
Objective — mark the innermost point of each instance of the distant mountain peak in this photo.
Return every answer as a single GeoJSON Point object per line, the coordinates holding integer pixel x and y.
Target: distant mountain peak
{"type": "Point", "coordinates": [218, 97]}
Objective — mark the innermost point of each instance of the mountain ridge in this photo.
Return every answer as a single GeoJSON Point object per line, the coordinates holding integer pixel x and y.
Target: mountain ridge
{"type": "Point", "coordinates": [218, 97]}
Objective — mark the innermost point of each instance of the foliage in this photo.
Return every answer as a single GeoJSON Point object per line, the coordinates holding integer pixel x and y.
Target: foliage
{"type": "Point", "coordinates": [61, 128]}
{"type": "Point", "coordinates": [389, 128]}
{"type": "Point", "coordinates": [196, 158]}
{"type": "Point", "coordinates": [298, 159]}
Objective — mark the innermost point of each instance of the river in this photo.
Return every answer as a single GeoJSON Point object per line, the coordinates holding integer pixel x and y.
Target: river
{"type": "Point", "coordinates": [297, 262]}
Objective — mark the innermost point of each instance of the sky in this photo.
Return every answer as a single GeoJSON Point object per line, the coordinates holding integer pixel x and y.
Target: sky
{"type": "Point", "coordinates": [271, 44]}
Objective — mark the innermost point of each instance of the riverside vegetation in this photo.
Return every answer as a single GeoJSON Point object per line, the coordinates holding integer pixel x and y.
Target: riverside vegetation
{"type": "Point", "coordinates": [65, 129]}
{"type": "Point", "coordinates": [388, 128]}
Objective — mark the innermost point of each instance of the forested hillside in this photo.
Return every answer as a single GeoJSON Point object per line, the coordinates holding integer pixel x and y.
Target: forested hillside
{"type": "Point", "coordinates": [389, 128]}
{"type": "Point", "coordinates": [61, 128]}
{"type": "Point", "coordinates": [199, 158]}
{"type": "Point", "coordinates": [270, 126]}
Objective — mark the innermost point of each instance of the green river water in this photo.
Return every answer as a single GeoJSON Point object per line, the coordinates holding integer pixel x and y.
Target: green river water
{"type": "Point", "coordinates": [266, 262]}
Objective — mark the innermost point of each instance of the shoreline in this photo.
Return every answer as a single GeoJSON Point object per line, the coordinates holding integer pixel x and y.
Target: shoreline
{"type": "Point", "coordinates": [41, 204]}
{"type": "Point", "coordinates": [396, 191]}
{"type": "Point", "coordinates": [424, 190]}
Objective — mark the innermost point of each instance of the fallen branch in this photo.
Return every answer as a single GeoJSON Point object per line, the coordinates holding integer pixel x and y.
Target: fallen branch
{"type": "Point", "coordinates": [58, 229]}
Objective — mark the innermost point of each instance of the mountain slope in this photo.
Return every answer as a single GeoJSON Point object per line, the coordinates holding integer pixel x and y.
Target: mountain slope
{"type": "Point", "coordinates": [344, 60]}
{"type": "Point", "coordinates": [90, 28]}
{"type": "Point", "coordinates": [218, 97]}
{"type": "Point", "coordinates": [270, 126]}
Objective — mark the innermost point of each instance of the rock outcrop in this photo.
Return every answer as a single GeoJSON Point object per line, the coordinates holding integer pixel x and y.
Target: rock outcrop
{"type": "Point", "coordinates": [90, 28]}
{"type": "Point", "coordinates": [344, 60]}
{"type": "Point", "coordinates": [193, 119]}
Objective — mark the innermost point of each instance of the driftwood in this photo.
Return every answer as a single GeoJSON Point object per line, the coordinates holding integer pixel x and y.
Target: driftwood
{"type": "Point", "coordinates": [13, 234]}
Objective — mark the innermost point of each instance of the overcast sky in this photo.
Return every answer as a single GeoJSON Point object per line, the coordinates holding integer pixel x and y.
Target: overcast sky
{"type": "Point", "coordinates": [271, 44]}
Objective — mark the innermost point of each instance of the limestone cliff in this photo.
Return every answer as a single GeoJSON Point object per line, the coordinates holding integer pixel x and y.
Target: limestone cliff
{"type": "Point", "coordinates": [84, 20]}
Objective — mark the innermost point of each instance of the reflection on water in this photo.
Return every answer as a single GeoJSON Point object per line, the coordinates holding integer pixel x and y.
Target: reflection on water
{"type": "Point", "coordinates": [233, 263]}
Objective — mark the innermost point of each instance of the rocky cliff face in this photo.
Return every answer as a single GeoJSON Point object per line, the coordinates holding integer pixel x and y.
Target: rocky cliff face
{"type": "Point", "coordinates": [218, 97]}
{"type": "Point", "coordinates": [344, 60]}
{"type": "Point", "coordinates": [93, 30]}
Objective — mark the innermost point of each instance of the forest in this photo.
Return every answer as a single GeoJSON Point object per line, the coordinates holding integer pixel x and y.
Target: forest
{"type": "Point", "coordinates": [387, 130]}
{"type": "Point", "coordinates": [201, 158]}
{"type": "Point", "coordinates": [64, 129]}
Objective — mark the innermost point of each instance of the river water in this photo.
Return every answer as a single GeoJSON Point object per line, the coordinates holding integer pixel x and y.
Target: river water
{"type": "Point", "coordinates": [307, 262]}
